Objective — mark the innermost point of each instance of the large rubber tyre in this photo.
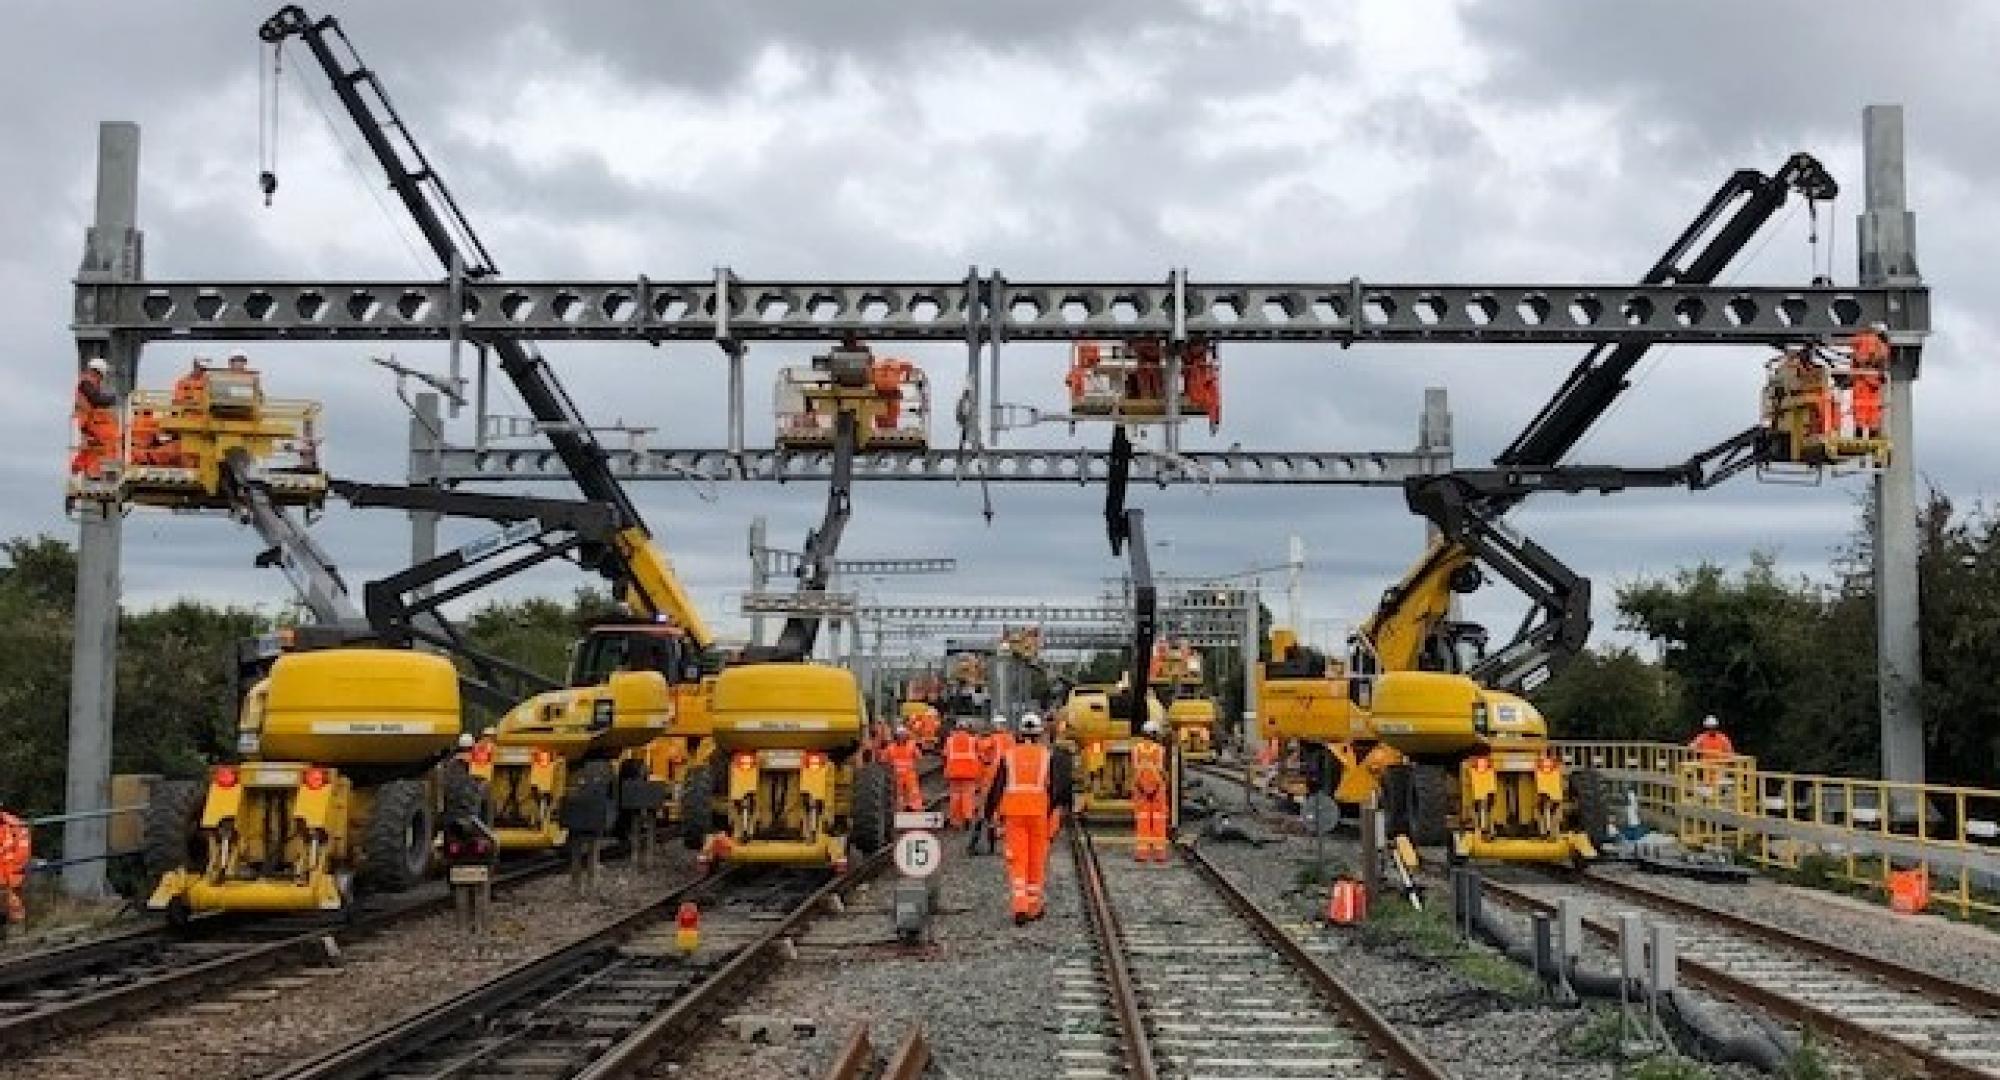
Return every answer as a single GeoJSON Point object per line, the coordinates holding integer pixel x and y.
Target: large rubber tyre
{"type": "Point", "coordinates": [697, 806]}
{"type": "Point", "coordinates": [1414, 795]}
{"type": "Point", "coordinates": [172, 827]}
{"type": "Point", "coordinates": [874, 810]}
{"type": "Point", "coordinates": [1590, 802]}
{"type": "Point", "coordinates": [396, 842]}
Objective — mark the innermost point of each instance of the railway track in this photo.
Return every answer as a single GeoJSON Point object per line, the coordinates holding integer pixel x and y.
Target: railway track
{"type": "Point", "coordinates": [606, 1005]}
{"type": "Point", "coordinates": [63, 991]}
{"type": "Point", "coordinates": [1202, 983]}
{"type": "Point", "coordinates": [1942, 1027]}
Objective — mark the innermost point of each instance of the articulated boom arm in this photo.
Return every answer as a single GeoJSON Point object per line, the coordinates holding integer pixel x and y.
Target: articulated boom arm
{"type": "Point", "coordinates": [817, 563]}
{"type": "Point", "coordinates": [1126, 530]}
{"type": "Point", "coordinates": [292, 549]}
{"type": "Point", "coordinates": [1468, 507]}
{"type": "Point", "coordinates": [407, 606]}
{"type": "Point", "coordinates": [1411, 627]}
{"type": "Point", "coordinates": [1601, 376]}
{"type": "Point", "coordinates": [635, 564]}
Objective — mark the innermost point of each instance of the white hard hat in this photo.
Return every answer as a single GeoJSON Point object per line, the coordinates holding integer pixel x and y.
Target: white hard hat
{"type": "Point", "coordinates": [99, 365]}
{"type": "Point", "coordinates": [1710, 722]}
{"type": "Point", "coordinates": [1152, 728]}
{"type": "Point", "coordinates": [1879, 327]}
{"type": "Point", "coordinates": [902, 731]}
{"type": "Point", "coordinates": [465, 740]}
{"type": "Point", "coordinates": [1031, 724]}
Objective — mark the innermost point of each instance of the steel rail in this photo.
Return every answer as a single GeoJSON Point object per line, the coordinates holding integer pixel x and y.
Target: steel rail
{"type": "Point", "coordinates": [80, 1014]}
{"type": "Point", "coordinates": [1399, 1051]}
{"type": "Point", "coordinates": [637, 1050]}
{"type": "Point", "coordinates": [910, 1059]}
{"type": "Point", "coordinates": [383, 1047]}
{"type": "Point", "coordinates": [852, 1062]}
{"type": "Point", "coordinates": [1136, 1045]}
{"type": "Point", "coordinates": [1864, 1038]}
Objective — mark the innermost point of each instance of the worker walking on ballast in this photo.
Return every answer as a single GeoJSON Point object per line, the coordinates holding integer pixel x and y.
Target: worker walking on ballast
{"type": "Point", "coordinates": [961, 775]}
{"type": "Point", "coordinates": [1031, 792]}
{"type": "Point", "coordinates": [1149, 794]}
{"type": "Point", "coordinates": [902, 757]}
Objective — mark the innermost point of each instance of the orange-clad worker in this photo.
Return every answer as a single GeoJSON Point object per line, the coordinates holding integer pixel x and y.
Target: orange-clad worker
{"type": "Point", "coordinates": [1149, 794]}
{"type": "Point", "coordinates": [1712, 742]}
{"type": "Point", "coordinates": [1871, 363]}
{"type": "Point", "coordinates": [927, 734]}
{"type": "Point", "coordinates": [961, 774]}
{"type": "Point", "coordinates": [96, 416]}
{"type": "Point", "coordinates": [1030, 794]}
{"type": "Point", "coordinates": [902, 757]}
{"type": "Point", "coordinates": [17, 850]}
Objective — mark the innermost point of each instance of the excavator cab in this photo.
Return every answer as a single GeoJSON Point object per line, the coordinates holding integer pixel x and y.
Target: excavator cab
{"type": "Point", "coordinates": [1127, 380]}
{"type": "Point", "coordinates": [1826, 409]}
{"type": "Point", "coordinates": [181, 449]}
{"type": "Point", "coordinates": [890, 400]}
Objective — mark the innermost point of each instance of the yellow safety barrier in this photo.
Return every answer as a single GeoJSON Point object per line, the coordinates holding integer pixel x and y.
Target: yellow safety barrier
{"type": "Point", "coordinates": [1853, 829]}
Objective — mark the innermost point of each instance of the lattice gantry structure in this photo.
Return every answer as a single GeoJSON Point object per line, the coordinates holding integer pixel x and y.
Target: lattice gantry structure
{"type": "Point", "coordinates": [117, 312]}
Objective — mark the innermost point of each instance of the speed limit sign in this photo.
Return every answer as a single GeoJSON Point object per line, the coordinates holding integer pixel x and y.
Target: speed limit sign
{"type": "Point", "coordinates": [918, 853]}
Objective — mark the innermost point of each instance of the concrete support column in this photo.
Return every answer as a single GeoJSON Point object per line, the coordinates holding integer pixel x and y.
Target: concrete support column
{"type": "Point", "coordinates": [1887, 253]}
{"type": "Point", "coordinates": [112, 253]}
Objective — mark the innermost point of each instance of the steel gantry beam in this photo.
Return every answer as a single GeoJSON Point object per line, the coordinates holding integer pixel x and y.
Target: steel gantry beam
{"type": "Point", "coordinates": [1386, 468]}
{"type": "Point", "coordinates": [988, 309]}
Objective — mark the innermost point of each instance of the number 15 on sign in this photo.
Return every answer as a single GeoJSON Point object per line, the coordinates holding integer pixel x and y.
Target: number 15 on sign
{"type": "Point", "coordinates": [918, 853]}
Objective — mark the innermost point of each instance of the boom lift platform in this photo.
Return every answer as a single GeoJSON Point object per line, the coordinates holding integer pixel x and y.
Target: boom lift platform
{"type": "Point", "coordinates": [890, 400]}
{"type": "Point", "coordinates": [177, 446]}
{"type": "Point", "coordinates": [1127, 381]}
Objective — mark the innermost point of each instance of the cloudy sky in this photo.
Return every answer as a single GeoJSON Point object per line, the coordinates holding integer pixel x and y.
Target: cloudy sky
{"type": "Point", "coordinates": [1244, 140]}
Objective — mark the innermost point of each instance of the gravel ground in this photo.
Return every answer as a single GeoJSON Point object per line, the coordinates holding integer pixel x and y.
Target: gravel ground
{"type": "Point", "coordinates": [1955, 950]}
{"type": "Point", "coordinates": [283, 1018]}
{"type": "Point", "coordinates": [983, 989]}
{"type": "Point", "coordinates": [1472, 1029]}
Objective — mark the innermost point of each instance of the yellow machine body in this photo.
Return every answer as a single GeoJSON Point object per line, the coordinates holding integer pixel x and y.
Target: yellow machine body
{"type": "Point", "coordinates": [352, 707]}
{"type": "Point", "coordinates": [524, 788]}
{"type": "Point", "coordinates": [285, 827]}
{"type": "Point", "coordinates": [627, 710]}
{"type": "Point", "coordinates": [786, 706]}
{"type": "Point", "coordinates": [176, 444]}
{"type": "Point", "coordinates": [1193, 721]}
{"type": "Point", "coordinates": [787, 738]}
{"type": "Point", "coordinates": [1101, 743]}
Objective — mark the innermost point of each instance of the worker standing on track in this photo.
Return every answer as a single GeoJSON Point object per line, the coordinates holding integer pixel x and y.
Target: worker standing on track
{"type": "Point", "coordinates": [96, 416]}
{"type": "Point", "coordinates": [1030, 794]}
{"type": "Point", "coordinates": [1149, 794]}
{"type": "Point", "coordinates": [902, 757]}
{"type": "Point", "coordinates": [961, 774]}
{"type": "Point", "coordinates": [17, 850]}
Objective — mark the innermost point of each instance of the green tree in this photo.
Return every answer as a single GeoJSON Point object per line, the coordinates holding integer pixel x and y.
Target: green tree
{"type": "Point", "coordinates": [1613, 694]}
